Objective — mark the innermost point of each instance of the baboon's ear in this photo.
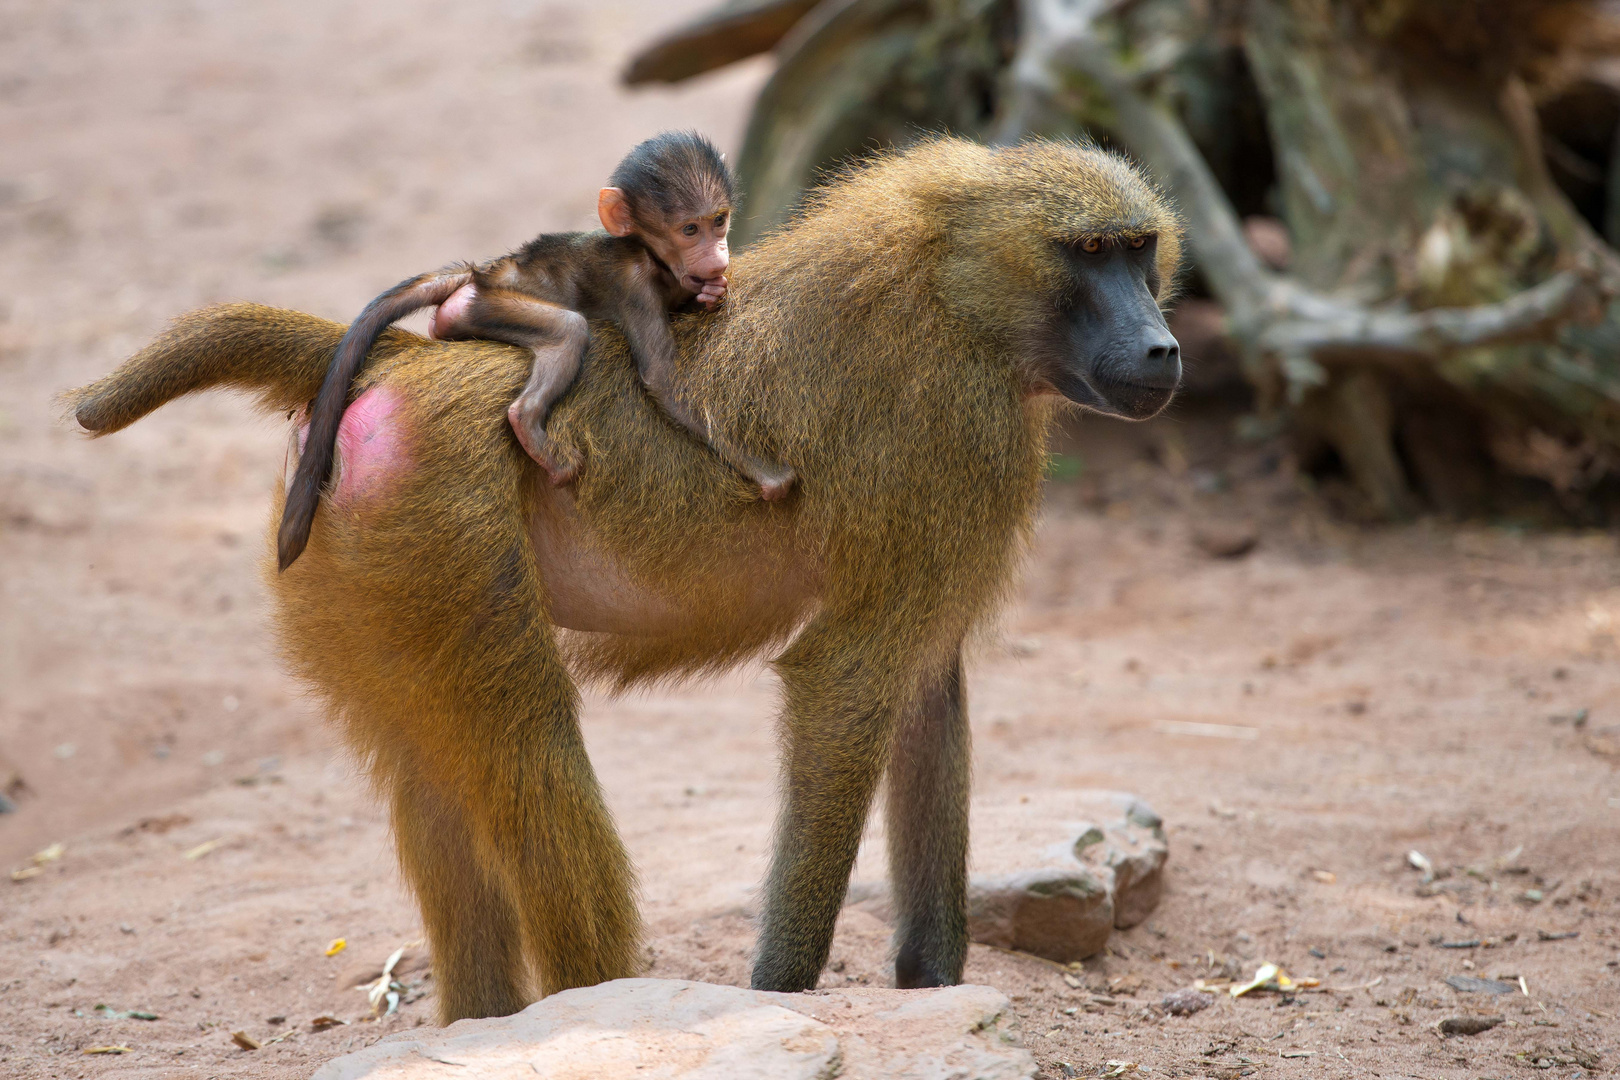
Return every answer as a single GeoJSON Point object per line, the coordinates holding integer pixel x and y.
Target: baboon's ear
{"type": "Point", "coordinates": [614, 210]}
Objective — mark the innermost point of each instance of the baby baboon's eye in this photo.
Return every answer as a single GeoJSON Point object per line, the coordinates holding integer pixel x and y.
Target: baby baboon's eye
{"type": "Point", "coordinates": [720, 221]}
{"type": "Point", "coordinates": [1138, 243]}
{"type": "Point", "coordinates": [689, 230]}
{"type": "Point", "coordinates": [1091, 245]}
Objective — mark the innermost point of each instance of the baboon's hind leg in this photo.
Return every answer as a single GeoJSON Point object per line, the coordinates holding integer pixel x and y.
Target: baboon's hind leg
{"type": "Point", "coordinates": [930, 773]}
{"type": "Point", "coordinates": [472, 925]}
{"type": "Point", "coordinates": [560, 854]}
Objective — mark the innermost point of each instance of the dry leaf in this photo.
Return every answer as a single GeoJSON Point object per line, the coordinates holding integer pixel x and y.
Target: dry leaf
{"type": "Point", "coordinates": [244, 1040]}
{"type": "Point", "coordinates": [337, 946]}
{"type": "Point", "coordinates": [203, 848]}
{"type": "Point", "coordinates": [106, 1050]}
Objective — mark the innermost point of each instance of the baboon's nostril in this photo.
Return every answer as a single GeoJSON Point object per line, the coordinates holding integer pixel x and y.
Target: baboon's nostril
{"type": "Point", "coordinates": [1161, 362]}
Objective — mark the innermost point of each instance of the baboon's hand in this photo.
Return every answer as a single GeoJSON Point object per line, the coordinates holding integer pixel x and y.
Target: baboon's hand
{"type": "Point", "coordinates": [713, 291]}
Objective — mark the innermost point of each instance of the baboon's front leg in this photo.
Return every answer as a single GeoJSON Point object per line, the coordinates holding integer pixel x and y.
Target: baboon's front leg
{"type": "Point", "coordinates": [930, 773]}
{"type": "Point", "coordinates": [836, 730]}
{"type": "Point", "coordinates": [472, 924]}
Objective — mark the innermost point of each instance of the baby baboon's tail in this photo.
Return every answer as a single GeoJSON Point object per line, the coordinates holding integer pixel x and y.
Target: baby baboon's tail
{"type": "Point", "coordinates": [320, 449]}
{"type": "Point", "coordinates": [281, 355]}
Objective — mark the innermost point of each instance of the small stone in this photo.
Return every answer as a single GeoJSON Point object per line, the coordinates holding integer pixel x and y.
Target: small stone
{"type": "Point", "coordinates": [1187, 1001]}
{"type": "Point", "coordinates": [12, 787]}
{"type": "Point", "coordinates": [1135, 850]}
{"type": "Point", "coordinates": [1225, 540]}
{"type": "Point", "coordinates": [1469, 984]}
{"type": "Point", "coordinates": [1605, 742]}
{"type": "Point", "coordinates": [1060, 913]}
{"type": "Point", "coordinates": [660, 1029]}
{"type": "Point", "coordinates": [1468, 1025]}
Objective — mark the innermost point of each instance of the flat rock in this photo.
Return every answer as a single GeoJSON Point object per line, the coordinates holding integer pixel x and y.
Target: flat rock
{"type": "Point", "coordinates": [662, 1029]}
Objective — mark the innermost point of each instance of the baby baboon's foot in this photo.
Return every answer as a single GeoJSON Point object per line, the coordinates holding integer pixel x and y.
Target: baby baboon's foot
{"type": "Point", "coordinates": [531, 434]}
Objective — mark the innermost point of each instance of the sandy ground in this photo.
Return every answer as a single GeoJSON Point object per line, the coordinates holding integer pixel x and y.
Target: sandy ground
{"type": "Point", "coordinates": [1375, 691]}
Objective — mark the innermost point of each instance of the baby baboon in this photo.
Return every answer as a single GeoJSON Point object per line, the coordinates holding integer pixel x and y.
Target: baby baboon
{"type": "Point", "coordinates": [904, 343]}
{"type": "Point", "coordinates": [665, 212]}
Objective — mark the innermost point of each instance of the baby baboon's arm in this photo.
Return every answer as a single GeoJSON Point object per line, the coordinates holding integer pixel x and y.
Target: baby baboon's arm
{"type": "Point", "coordinates": [645, 320]}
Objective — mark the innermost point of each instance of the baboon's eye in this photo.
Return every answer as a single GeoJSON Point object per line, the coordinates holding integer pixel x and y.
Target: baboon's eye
{"type": "Point", "coordinates": [689, 230]}
{"type": "Point", "coordinates": [720, 221]}
{"type": "Point", "coordinates": [1138, 243]}
{"type": "Point", "coordinates": [1091, 245]}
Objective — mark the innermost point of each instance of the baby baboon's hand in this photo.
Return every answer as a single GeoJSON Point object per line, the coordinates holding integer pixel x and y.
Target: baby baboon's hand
{"type": "Point", "coordinates": [713, 291]}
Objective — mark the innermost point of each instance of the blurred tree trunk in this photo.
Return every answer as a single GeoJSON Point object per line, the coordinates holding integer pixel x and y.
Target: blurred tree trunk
{"type": "Point", "coordinates": [1445, 170]}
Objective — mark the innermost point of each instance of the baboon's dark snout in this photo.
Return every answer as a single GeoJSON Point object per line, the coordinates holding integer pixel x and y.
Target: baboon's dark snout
{"type": "Point", "coordinates": [1159, 363]}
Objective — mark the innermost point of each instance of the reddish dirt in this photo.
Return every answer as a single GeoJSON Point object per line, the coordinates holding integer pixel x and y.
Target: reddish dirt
{"type": "Point", "coordinates": [1400, 685]}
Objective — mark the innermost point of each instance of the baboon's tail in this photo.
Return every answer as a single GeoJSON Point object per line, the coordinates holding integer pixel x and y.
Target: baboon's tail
{"type": "Point", "coordinates": [281, 355]}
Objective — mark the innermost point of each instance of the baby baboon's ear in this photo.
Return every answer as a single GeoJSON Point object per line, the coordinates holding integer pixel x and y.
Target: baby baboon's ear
{"type": "Point", "coordinates": [614, 209]}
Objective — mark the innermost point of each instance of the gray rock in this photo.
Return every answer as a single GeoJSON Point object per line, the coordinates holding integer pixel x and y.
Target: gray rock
{"type": "Point", "coordinates": [1135, 850]}
{"type": "Point", "coordinates": [663, 1029]}
{"type": "Point", "coordinates": [1063, 914]}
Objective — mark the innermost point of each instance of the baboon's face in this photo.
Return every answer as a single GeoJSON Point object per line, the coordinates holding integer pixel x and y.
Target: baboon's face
{"type": "Point", "coordinates": [1107, 347]}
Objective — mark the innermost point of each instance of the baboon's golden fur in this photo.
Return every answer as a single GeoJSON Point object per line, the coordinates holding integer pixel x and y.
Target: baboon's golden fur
{"type": "Point", "coordinates": [878, 346]}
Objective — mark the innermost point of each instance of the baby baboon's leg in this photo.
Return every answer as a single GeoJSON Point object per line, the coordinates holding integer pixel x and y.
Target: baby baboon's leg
{"type": "Point", "coordinates": [836, 729]}
{"type": "Point", "coordinates": [557, 337]}
{"type": "Point", "coordinates": [472, 924]}
{"type": "Point", "coordinates": [929, 777]}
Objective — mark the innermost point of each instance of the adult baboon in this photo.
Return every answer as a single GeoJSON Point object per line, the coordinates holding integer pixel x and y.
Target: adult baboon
{"type": "Point", "coordinates": [903, 347]}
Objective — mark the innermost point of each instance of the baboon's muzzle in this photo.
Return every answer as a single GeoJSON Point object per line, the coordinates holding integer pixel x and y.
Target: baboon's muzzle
{"type": "Point", "coordinates": [1119, 357]}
